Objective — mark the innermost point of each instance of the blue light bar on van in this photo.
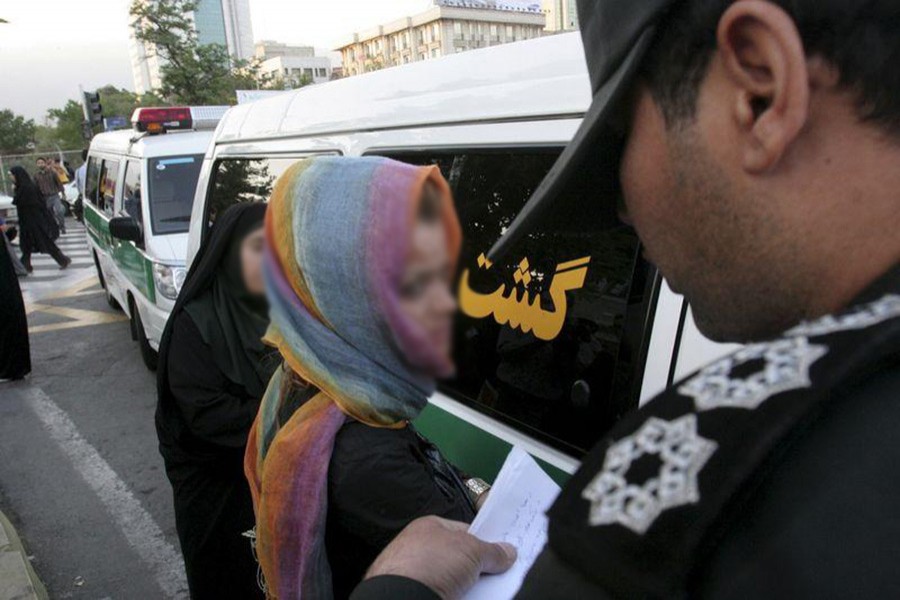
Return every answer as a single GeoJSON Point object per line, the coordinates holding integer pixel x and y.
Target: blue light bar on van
{"type": "Point", "coordinates": [155, 120]}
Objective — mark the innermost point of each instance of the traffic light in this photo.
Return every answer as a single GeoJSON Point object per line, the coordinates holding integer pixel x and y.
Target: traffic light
{"type": "Point", "coordinates": [94, 109]}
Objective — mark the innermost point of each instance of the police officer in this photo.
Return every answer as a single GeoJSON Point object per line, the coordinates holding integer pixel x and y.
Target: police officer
{"type": "Point", "coordinates": [757, 143]}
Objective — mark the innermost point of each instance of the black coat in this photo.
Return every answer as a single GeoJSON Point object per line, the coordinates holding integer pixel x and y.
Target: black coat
{"type": "Point", "coordinates": [213, 507]}
{"type": "Point", "coordinates": [37, 227]}
{"type": "Point", "coordinates": [378, 481]}
{"type": "Point", "coordinates": [15, 355]}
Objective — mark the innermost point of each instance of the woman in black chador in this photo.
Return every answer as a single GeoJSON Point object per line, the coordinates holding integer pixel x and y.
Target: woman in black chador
{"type": "Point", "coordinates": [213, 371]}
{"type": "Point", "coordinates": [15, 355]}
{"type": "Point", "coordinates": [37, 227]}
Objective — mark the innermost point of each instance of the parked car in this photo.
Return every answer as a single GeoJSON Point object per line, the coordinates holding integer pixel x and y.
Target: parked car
{"type": "Point", "coordinates": [7, 210]}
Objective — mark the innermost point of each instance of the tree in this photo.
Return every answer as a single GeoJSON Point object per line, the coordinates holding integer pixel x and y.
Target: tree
{"type": "Point", "coordinates": [16, 133]}
{"type": "Point", "coordinates": [279, 82]}
{"type": "Point", "coordinates": [191, 72]}
{"type": "Point", "coordinates": [119, 102]}
{"type": "Point", "coordinates": [67, 133]}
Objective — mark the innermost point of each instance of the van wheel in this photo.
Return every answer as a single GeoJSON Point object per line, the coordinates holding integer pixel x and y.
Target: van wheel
{"type": "Point", "coordinates": [148, 354]}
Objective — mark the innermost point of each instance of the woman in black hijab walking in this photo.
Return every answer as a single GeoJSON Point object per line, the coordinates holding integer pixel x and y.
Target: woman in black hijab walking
{"type": "Point", "coordinates": [15, 353]}
{"type": "Point", "coordinates": [213, 372]}
{"type": "Point", "coordinates": [37, 227]}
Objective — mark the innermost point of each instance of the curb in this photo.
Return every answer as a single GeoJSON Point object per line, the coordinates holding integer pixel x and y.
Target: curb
{"type": "Point", "coordinates": [18, 581]}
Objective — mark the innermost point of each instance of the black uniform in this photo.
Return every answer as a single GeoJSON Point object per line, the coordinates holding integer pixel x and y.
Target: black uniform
{"type": "Point", "coordinates": [769, 474]}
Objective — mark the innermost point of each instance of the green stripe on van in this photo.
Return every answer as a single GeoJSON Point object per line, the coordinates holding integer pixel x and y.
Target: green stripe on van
{"type": "Point", "coordinates": [473, 450]}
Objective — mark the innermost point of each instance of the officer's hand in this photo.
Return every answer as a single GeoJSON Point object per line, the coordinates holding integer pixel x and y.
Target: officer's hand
{"type": "Point", "coordinates": [442, 555]}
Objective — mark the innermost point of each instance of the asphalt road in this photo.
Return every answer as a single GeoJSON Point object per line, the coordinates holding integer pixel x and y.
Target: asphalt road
{"type": "Point", "coordinates": [80, 475]}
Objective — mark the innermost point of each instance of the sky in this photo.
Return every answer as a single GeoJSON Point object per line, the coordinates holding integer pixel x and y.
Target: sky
{"type": "Point", "coordinates": [50, 47]}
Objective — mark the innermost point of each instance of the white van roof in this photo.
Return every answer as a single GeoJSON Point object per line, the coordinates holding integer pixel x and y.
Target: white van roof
{"type": "Point", "coordinates": [542, 77]}
{"type": "Point", "coordinates": [174, 143]}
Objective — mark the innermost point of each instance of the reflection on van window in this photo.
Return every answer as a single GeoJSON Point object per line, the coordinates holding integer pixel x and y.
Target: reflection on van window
{"type": "Point", "coordinates": [109, 175]}
{"type": "Point", "coordinates": [92, 181]}
{"type": "Point", "coordinates": [541, 339]}
{"type": "Point", "coordinates": [237, 180]}
{"type": "Point", "coordinates": [131, 191]}
{"type": "Point", "coordinates": [171, 186]}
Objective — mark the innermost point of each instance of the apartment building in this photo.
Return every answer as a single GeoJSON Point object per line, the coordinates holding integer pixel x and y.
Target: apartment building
{"type": "Point", "coordinates": [448, 27]}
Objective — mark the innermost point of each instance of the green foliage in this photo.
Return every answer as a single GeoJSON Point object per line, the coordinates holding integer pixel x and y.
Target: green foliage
{"type": "Point", "coordinates": [15, 132]}
{"type": "Point", "coordinates": [192, 73]}
{"type": "Point", "coordinates": [279, 82]}
{"type": "Point", "coordinates": [67, 133]}
{"type": "Point", "coordinates": [238, 181]}
{"type": "Point", "coordinates": [119, 102]}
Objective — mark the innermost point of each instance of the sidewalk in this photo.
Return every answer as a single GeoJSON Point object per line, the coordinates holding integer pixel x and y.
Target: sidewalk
{"type": "Point", "coordinates": [18, 581]}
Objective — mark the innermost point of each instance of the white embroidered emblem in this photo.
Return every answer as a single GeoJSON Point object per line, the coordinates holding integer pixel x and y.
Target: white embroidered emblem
{"type": "Point", "coordinates": [863, 316]}
{"type": "Point", "coordinates": [784, 365]}
{"type": "Point", "coordinates": [682, 454]}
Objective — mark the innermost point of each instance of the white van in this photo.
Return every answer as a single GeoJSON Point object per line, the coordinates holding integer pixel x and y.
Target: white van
{"type": "Point", "coordinates": [139, 192]}
{"type": "Point", "coordinates": [494, 120]}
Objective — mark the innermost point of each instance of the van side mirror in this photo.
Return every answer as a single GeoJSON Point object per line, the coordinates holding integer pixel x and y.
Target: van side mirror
{"type": "Point", "coordinates": [126, 228]}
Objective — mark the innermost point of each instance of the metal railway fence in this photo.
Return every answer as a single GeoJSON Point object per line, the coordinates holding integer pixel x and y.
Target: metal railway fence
{"type": "Point", "coordinates": [29, 161]}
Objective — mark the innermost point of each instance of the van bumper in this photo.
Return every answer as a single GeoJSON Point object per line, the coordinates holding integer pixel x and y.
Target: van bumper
{"type": "Point", "coordinates": [154, 319]}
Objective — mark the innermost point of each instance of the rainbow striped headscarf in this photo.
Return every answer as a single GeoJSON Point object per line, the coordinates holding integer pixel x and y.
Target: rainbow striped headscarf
{"type": "Point", "coordinates": [338, 232]}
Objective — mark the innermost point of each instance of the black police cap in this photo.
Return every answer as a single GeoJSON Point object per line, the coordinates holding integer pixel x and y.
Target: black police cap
{"type": "Point", "coordinates": [616, 35]}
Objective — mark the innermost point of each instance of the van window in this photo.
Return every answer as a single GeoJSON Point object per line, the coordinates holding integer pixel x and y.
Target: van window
{"type": "Point", "coordinates": [240, 180]}
{"type": "Point", "coordinates": [92, 181]}
{"type": "Point", "coordinates": [131, 192]}
{"type": "Point", "coordinates": [171, 188]}
{"type": "Point", "coordinates": [109, 176]}
{"type": "Point", "coordinates": [549, 339]}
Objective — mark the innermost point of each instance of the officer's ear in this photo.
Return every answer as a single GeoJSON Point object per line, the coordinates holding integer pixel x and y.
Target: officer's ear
{"type": "Point", "coordinates": [762, 57]}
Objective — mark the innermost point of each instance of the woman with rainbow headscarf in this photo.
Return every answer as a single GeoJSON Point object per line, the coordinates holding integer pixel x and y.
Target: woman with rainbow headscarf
{"type": "Point", "coordinates": [361, 252]}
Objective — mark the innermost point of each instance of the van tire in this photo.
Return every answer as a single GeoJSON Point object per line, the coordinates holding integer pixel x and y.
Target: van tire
{"type": "Point", "coordinates": [148, 354]}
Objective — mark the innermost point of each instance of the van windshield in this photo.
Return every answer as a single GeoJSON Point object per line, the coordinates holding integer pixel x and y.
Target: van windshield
{"type": "Point", "coordinates": [173, 181]}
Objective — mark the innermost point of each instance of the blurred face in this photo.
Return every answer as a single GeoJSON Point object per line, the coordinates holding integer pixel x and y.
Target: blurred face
{"type": "Point", "coordinates": [41, 163]}
{"type": "Point", "coordinates": [252, 260]}
{"type": "Point", "coordinates": [425, 292]}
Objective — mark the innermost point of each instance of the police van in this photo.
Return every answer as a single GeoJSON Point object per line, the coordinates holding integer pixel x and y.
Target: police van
{"type": "Point", "coordinates": [139, 191]}
{"type": "Point", "coordinates": [607, 333]}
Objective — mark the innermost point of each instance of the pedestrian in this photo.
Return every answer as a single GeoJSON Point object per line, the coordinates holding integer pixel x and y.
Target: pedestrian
{"type": "Point", "coordinates": [757, 144]}
{"type": "Point", "coordinates": [362, 251]}
{"type": "Point", "coordinates": [213, 370]}
{"type": "Point", "coordinates": [67, 167]}
{"type": "Point", "coordinates": [51, 188]}
{"type": "Point", "coordinates": [37, 227]}
{"type": "Point", "coordinates": [80, 179]}
{"type": "Point", "coordinates": [15, 353]}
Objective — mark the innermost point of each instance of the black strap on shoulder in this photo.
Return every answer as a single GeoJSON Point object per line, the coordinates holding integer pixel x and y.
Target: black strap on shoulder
{"type": "Point", "coordinates": [646, 502]}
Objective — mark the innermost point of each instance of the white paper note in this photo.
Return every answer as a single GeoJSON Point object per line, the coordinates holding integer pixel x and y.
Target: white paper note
{"type": "Point", "coordinates": [514, 512]}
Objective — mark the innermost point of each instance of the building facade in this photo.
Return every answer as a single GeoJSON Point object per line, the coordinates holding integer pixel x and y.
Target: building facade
{"type": "Point", "coordinates": [448, 27]}
{"type": "Point", "coordinates": [224, 22]}
{"type": "Point", "coordinates": [562, 15]}
{"type": "Point", "coordinates": [293, 65]}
